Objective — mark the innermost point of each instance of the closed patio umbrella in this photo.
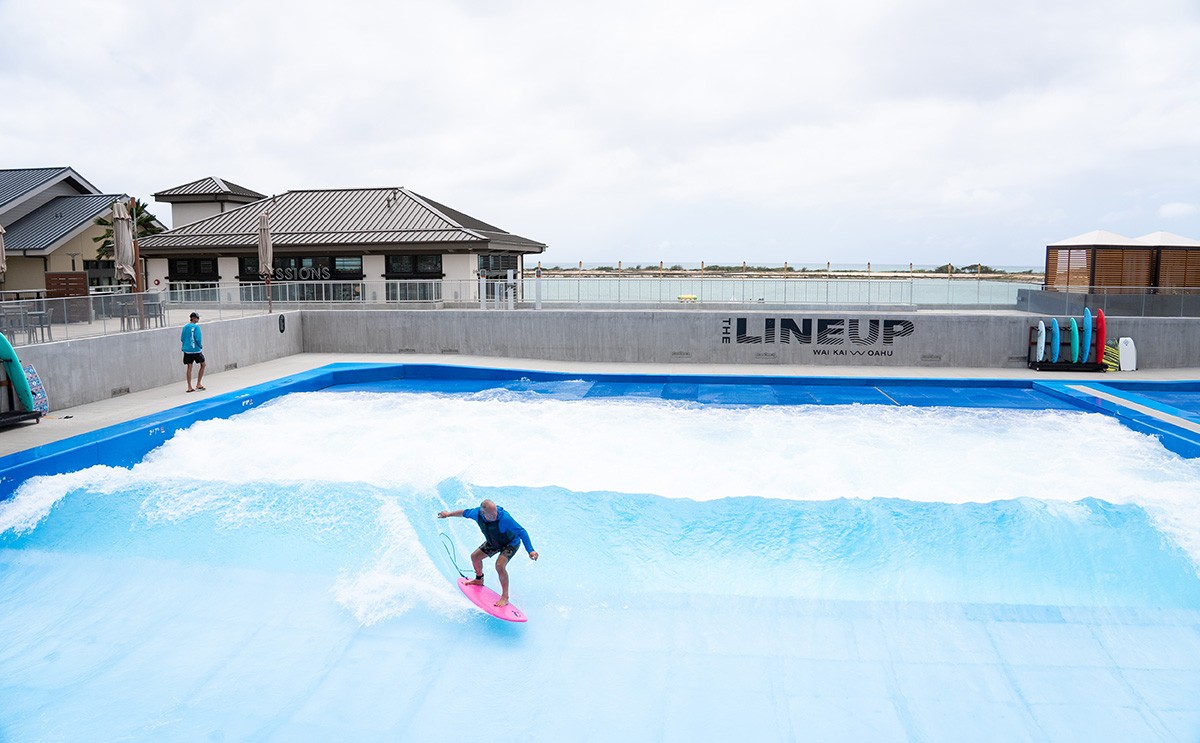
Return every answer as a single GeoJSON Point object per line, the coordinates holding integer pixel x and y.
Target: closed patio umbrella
{"type": "Point", "coordinates": [125, 254]}
{"type": "Point", "coordinates": [123, 251]}
{"type": "Point", "coordinates": [266, 258]}
{"type": "Point", "coordinates": [3, 261]}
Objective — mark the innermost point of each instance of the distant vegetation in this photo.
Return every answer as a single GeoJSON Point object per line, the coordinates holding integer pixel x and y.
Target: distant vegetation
{"type": "Point", "coordinates": [945, 268]}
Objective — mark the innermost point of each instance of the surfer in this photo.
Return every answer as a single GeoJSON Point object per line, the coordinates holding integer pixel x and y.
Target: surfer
{"type": "Point", "coordinates": [501, 536]}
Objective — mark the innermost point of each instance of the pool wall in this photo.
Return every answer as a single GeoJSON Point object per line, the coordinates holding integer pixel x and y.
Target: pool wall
{"type": "Point", "coordinates": [729, 336]}
{"type": "Point", "coordinates": [125, 444]}
{"type": "Point", "coordinates": [81, 371]}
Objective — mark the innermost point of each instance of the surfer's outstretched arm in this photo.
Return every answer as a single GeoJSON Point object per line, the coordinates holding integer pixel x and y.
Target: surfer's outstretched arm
{"type": "Point", "coordinates": [448, 514]}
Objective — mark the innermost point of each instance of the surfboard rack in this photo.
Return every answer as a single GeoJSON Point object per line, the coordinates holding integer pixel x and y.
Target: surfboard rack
{"type": "Point", "coordinates": [12, 416]}
{"type": "Point", "coordinates": [12, 419]}
{"type": "Point", "coordinates": [1062, 365]}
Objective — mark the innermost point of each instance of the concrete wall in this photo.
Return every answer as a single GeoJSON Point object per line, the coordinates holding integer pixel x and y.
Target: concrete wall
{"type": "Point", "coordinates": [823, 339]}
{"type": "Point", "coordinates": [80, 371]}
{"type": "Point", "coordinates": [90, 369]}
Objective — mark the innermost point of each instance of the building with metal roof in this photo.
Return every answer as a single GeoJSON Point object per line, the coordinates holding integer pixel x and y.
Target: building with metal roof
{"type": "Point", "coordinates": [344, 236]}
{"type": "Point", "coordinates": [204, 198]}
{"type": "Point", "coordinates": [49, 216]}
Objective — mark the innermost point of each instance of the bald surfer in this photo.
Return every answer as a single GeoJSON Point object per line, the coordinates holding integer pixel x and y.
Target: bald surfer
{"type": "Point", "coordinates": [501, 536]}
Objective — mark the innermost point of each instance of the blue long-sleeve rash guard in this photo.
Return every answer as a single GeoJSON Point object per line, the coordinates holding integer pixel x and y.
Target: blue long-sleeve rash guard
{"type": "Point", "coordinates": [191, 338]}
{"type": "Point", "coordinates": [508, 528]}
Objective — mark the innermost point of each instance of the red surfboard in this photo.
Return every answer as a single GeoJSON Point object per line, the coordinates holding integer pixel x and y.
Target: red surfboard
{"type": "Point", "coordinates": [1100, 337]}
{"type": "Point", "coordinates": [485, 598]}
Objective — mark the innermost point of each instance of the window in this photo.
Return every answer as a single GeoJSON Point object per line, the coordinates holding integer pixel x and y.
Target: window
{"type": "Point", "coordinates": [411, 266]}
{"type": "Point", "coordinates": [347, 267]}
{"type": "Point", "coordinates": [192, 269]}
{"type": "Point", "coordinates": [497, 266]}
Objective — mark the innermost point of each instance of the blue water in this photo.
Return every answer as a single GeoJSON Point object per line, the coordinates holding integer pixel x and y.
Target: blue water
{"type": "Point", "coordinates": [707, 571]}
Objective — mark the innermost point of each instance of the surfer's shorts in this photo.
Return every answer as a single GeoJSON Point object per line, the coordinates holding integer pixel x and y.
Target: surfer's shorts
{"type": "Point", "coordinates": [193, 358]}
{"type": "Point", "coordinates": [490, 549]}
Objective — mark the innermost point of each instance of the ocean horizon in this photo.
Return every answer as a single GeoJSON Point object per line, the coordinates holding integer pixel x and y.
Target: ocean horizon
{"type": "Point", "coordinates": [797, 267]}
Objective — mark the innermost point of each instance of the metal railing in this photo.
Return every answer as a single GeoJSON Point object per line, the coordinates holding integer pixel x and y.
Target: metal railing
{"type": "Point", "coordinates": [28, 321]}
{"type": "Point", "coordinates": [1116, 301]}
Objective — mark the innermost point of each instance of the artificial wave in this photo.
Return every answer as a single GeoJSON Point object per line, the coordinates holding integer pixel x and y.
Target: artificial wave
{"type": "Point", "coordinates": [835, 573]}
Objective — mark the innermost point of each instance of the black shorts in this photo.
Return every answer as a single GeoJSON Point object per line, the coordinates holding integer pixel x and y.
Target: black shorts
{"type": "Point", "coordinates": [193, 358]}
{"type": "Point", "coordinates": [491, 549]}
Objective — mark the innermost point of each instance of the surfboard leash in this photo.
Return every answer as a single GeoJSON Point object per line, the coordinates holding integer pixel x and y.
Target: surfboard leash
{"type": "Point", "coordinates": [447, 544]}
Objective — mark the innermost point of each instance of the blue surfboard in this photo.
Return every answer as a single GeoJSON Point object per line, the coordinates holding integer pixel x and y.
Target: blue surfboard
{"type": "Point", "coordinates": [1087, 336]}
{"type": "Point", "coordinates": [1074, 341]}
{"type": "Point", "coordinates": [1055, 340]}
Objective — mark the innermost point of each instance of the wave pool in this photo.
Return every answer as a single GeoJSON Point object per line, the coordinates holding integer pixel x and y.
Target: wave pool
{"type": "Point", "coordinates": [797, 572]}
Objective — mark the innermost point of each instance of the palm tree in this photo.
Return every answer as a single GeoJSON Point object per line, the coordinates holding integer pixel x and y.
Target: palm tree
{"type": "Point", "coordinates": [144, 223]}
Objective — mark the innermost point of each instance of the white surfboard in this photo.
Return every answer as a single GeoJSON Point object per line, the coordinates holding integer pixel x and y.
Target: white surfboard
{"type": "Point", "coordinates": [1041, 340]}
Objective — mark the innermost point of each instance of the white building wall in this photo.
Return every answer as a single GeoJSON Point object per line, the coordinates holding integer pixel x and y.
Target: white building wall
{"type": "Point", "coordinates": [156, 274]}
{"type": "Point", "coordinates": [227, 269]}
{"type": "Point", "coordinates": [373, 267]}
{"type": "Point", "coordinates": [461, 277]}
{"type": "Point", "coordinates": [187, 213]}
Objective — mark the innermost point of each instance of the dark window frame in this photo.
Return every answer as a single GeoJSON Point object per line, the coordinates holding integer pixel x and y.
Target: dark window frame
{"type": "Point", "coordinates": [191, 269]}
{"type": "Point", "coordinates": [393, 267]}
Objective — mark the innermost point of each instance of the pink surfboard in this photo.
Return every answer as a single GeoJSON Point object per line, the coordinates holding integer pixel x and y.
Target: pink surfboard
{"type": "Point", "coordinates": [485, 598]}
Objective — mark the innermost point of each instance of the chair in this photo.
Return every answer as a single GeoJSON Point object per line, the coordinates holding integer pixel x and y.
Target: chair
{"type": "Point", "coordinates": [15, 323]}
{"type": "Point", "coordinates": [127, 313]}
{"type": "Point", "coordinates": [156, 310]}
{"type": "Point", "coordinates": [37, 322]}
{"type": "Point", "coordinates": [43, 321]}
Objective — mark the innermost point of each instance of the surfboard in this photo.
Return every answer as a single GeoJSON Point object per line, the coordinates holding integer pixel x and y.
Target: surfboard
{"type": "Point", "coordinates": [485, 598]}
{"type": "Point", "coordinates": [16, 375]}
{"type": "Point", "coordinates": [41, 403]}
{"type": "Point", "coordinates": [1041, 340]}
{"type": "Point", "coordinates": [1101, 333]}
{"type": "Point", "coordinates": [1074, 341]}
{"type": "Point", "coordinates": [1086, 336]}
{"type": "Point", "coordinates": [1055, 340]}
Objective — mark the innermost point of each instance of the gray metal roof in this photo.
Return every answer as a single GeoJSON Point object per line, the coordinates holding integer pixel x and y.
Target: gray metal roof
{"type": "Point", "coordinates": [363, 218]}
{"type": "Point", "coordinates": [49, 225]}
{"type": "Point", "coordinates": [17, 183]}
{"type": "Point", "coordinates": [209, 187]}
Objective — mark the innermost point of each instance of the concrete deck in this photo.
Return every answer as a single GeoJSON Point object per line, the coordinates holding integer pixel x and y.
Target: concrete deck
{"type": "Point", "coordinates": [68, 422]}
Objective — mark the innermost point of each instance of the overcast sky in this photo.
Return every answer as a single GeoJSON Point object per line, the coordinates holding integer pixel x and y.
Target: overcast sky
{"type": "Point", "coordinates": [885, 131]}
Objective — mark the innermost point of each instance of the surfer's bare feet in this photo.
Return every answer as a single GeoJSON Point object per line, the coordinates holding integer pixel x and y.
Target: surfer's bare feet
{"type": "Point", "coordinates": [503, 601]}
{"type": "Point", "coordinates": [476, 582]}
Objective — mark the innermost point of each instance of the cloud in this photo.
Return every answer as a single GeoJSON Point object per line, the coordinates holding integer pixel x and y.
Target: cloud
{"type": "Point", "coordinates": [1177, 209]}
{"type": "Point", "coordinates": [878, 127]}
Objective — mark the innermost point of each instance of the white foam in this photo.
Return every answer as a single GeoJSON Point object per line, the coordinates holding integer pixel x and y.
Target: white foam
{"type": "Point", "coordinates": [677, 450]}
{"type": "Point", "coordinates": [415, 441]}
{"type": "Point", "coordinates": [36, 497]}
{"type": "Point", "coordinates": [401, 577]}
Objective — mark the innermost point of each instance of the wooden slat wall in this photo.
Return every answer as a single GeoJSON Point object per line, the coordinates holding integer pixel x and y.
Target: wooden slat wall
{"type": "Point", "coordinates": [1067, 268]}
{"type": "Point", "coordinates": [1123, 270]}
{"type": "Point", "coordinates": [1179, 270]}
{"type": "Point", "coordinates": [1130, 269]}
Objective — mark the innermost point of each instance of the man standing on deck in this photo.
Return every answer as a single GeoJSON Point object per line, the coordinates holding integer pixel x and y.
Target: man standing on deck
{"type": "Point", "coordinates": [192, 341]}
{"type": "Point", "coordinates": [501, 535]}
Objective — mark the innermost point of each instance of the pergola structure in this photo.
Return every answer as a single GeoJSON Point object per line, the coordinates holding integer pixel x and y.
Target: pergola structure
{"type": "Point", "coordinates": [1102, 261]}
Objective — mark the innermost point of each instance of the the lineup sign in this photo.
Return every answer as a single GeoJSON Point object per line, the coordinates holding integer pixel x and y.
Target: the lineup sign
{"type": "Point", "coordinates": [826, 336]}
